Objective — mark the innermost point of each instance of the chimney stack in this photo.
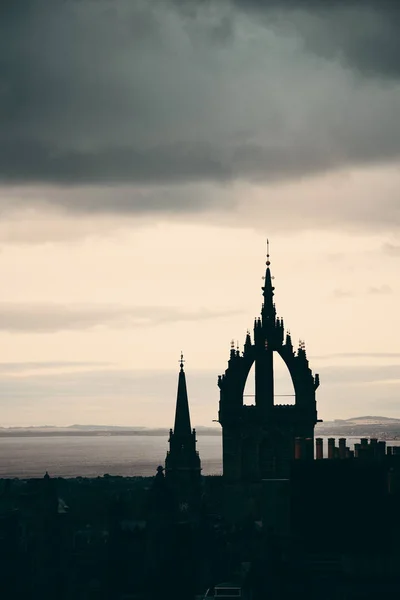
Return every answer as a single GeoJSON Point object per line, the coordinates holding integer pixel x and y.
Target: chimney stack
{"type": "Point", "coordinates": [331, 448]}
{"type": "Point", "coordinates": [342, 448]}
{"type": "Point", "coordinates": [319, 448]}
{"type": "Point", "coordinates": [364, 449]}
{"type": "Point", "coordinates": [299, 448]}
{"type": "Point", "coordinates": [381, 449]}
{"type": "Point", "coordinates": [374, 447]}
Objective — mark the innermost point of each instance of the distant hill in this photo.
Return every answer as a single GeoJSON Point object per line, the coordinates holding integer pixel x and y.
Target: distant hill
{"type": "Point", "coordinates": [92, 430]}
{"type": "Point", "coordinates": [368, 420]}
{"type": "Point", "coordinates": [367, 426]}
{"type": "Point", "coordinates": [102, 427]}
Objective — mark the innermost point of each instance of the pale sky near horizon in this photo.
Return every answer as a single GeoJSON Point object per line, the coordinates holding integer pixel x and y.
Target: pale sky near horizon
{"type": "Point", "coordinates": [143, 167]}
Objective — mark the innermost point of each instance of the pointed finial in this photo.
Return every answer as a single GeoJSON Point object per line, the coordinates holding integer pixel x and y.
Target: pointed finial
{"type": "Point", "coordinates": [268, 261]}
{"type": "Point", "coordinates": [232, 344]}
{"type": "Point", "coordinates": [181, 362]}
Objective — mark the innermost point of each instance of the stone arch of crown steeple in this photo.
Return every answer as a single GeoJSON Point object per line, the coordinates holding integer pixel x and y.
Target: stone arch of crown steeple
{"type": "Point", "coordinates": [249, 360]}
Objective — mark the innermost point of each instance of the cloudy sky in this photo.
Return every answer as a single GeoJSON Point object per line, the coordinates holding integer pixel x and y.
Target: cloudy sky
{"type": "Point", "coordinates": [147, 150]}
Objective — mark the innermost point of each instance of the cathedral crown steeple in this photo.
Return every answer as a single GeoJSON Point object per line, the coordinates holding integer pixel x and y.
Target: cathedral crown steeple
{"type": "Point", "coordinates": [259, 439]}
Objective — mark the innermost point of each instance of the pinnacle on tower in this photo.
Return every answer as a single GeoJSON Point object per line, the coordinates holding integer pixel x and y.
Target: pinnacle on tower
{"type": "Point", "coordinates": [247, 343]}
{"type": "Point", "coordinates": [268, 292]}
{"type": "Point", "coordinates": [289, 340]}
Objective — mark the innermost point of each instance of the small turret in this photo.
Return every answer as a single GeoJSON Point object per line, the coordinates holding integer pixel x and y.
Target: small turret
{"type": "Point", "coordinates": [279, 331]}
{"type": "Point", "coordinates": [247, 343]}
{"type": "Point", "coordinates": [258, 333]}
{"type": "Point", "coordinates": [301, 352]}
{"type": "Point", "coordinates": [316, 381]}
{"type": "Point", "coordinates": [288, 342]}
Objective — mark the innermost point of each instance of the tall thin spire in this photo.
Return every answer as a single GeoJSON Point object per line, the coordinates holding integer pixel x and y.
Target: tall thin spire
{"type": "Point", "coordinates": [182, 463]}
{"type": "Point", "coordinates": [182, 424]}
{"type": "Point", "coordinates": [268, 290]}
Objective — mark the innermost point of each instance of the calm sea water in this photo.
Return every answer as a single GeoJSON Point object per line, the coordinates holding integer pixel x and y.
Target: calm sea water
{"type": "Point", "coordinates": [72, 456]}
{"type": "Point", "coordinates": [90, 456]}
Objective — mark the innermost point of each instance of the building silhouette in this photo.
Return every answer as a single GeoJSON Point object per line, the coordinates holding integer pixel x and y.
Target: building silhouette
{"type": "Point", "coordinates": [278, 524]}
{"type": "Point", "coordinates": [173, 509]}
{"type": "Point", "coordinates": [259, 441]}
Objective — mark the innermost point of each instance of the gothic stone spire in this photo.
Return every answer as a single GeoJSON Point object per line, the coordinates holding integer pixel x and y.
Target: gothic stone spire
{"type": "Point", "coordinates": [182, 417]}
{"type": "Point", "coordinates": [182, 464]}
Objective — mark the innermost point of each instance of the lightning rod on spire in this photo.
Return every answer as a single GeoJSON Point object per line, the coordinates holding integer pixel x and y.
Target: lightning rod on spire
{"type": "Point", "coordinates": [268, 261]}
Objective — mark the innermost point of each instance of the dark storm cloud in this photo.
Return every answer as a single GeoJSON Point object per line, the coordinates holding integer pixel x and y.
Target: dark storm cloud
{"type": "Point", "coordinates": [153, 92]}
{"type": "Point", "coordinates": [365, 34]}
{"type": "Point", "coordinates": [40, 318]}
{"type": "Point", "coordinates": [186, 161]}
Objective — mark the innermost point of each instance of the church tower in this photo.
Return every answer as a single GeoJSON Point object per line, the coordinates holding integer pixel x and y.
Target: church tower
{"type": "Point", "coordinates": [259, 440]}
{"type": "Point", "coordinates": [182, 464]}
